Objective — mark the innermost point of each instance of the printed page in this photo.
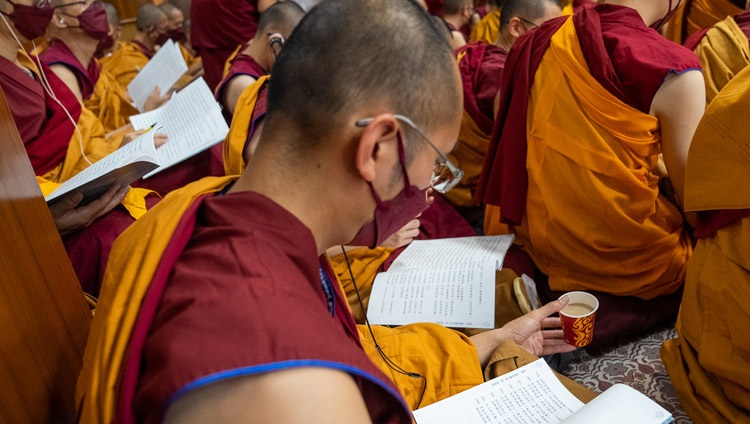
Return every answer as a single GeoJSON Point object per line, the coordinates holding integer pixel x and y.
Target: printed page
{"type": "Point", "coordinates": [192, 119]}
{"type": "Point", "coordinates": [123, 166]}
{"type": "Point", "coordinates": [163, 71]}
{"type": "Point", "coordinates": [431, 254]}
{"type": "Point", "coordinates": [530, 394]}
{"type": "Point", "coordinates": [457, 295]}
{"type": "Point", "coordinates": [621, 404]}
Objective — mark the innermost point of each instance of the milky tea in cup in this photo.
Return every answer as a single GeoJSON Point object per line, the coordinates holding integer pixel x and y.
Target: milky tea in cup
{"type": "Point", "coordinates": [578, 318]}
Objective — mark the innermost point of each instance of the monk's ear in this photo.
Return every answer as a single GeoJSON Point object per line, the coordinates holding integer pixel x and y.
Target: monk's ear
{"type": "Point", "coordinates": [376, 132]}
{"type": "Point", "coordinates": [515, 28]}
{"type": "Point", "coordinates": [58, 21]}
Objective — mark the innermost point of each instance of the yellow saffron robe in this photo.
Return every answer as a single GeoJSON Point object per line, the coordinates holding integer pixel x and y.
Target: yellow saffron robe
{"type": "Point", "coordinates": [580, 138]}
{"type": "Point", "coordinates": [110, 103]}
{"type": "Point", "coordinates": [709, 362]}
{"type": "Point", "coordinates": [488, 29]}
{"type": "Point", "coordinates": [724, 51]}
{"type": "Point", "coordinates": [702, 14]}
{"type": "Point", "coordinates": [125, 63]}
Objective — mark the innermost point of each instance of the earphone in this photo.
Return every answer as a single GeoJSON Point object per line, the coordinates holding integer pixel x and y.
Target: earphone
{"type": "Point", "coordinates": [276, 42]}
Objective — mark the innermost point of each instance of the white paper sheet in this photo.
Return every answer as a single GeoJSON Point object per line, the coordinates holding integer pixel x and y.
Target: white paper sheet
{"type": "Point", "coordinates": [163, 71]}
{"type": "Point", "coordinates": [191, 119]}
{"type": "Point", "coordinates": [530, 394]}
{"type": "Point", "coordinates": [445, 281]}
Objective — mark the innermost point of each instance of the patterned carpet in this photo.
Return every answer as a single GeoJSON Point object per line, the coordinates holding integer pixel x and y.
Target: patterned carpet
{"type": "Point", "coordinates": [635, 362]}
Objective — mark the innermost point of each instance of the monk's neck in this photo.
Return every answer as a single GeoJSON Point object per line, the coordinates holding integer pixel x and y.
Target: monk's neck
{"type": "Point", "coordinates": [309, 198]}
{"type": "Point", "coordinates": [504, 41]}
{"type": "Point", "coordinates": [83, 48]}
{"type": "Point", "coordinates": [454, 20]}
{"type": "Point", "coordinates": [9, 48]}
{"type": "Point", "coordinates": [256, 50]}
{"type": "Point", "coordinates": [143, 39]}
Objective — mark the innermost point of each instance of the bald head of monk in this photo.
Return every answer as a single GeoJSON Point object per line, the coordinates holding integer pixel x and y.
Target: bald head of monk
{"type": "Point", "coordinates": [113, 17]}
{"type": "Point", "coordinates": [521, 16]}
{"type": "Point", "coordinates": [152, 26]}
{"type": "Point", "coordinates": [332, 135]}
{"type": "Point", "coordinates": [82, 26]}
{"type": "Point", "coordinates": [274, 28]}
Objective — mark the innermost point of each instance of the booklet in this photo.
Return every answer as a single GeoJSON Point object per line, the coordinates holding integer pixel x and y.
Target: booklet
{"type": "Point", "coordinates": [121, 167]}
{"type": "Point", "coordinates": [533, 394]}
{"type": "Point", "coordinates": [191, 119]}
{"type": "Point", "coordinates": [163, 71]}
{"type": "Point", "coordinates": [445, 281]}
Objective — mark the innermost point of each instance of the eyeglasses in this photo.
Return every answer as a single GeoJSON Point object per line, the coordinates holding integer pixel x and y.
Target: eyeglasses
{"type": "Point", "coordinates": [528, 22]}
{"type": "Point", "coordinates": [445, 175]}
{"type": "Point", "coordinates": [39, 4]}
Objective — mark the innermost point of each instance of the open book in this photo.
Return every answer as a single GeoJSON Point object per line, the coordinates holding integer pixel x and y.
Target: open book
{"type": "Point", "coordinates": [121, 167]}
{"type": "Point", "coordinates": [532, 394]}
{"type": "Point", "coordinates": [445, 281]}
{"type": "Point", "coordinates": [191, 119]}
{"type": "Point", "coordinates": [163, 71]}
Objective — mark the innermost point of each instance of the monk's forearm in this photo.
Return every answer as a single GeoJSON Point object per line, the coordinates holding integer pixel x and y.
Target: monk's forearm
{"type": "Point", "coordinates": [487, 342]}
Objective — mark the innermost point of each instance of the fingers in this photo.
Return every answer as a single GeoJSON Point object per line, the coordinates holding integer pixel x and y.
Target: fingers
{"type": "Point", "coordinates": [549, 309]}
{"type": "Point", "coordinates": [160, 139]}
{"type": "Point", "coordinates": [552, 322]}
{"type": "Point", "coordinates": [156, 92]}
{"type": "Point", "coordinates": [550, 348]}
{"type": "Point", "coordinates": [66, 204]}
{"type": "Point", "coordinates": [103, 204]}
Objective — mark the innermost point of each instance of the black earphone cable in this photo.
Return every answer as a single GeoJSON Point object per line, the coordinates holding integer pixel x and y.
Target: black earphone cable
{"type": "Point", "coordinates": [388, 361]}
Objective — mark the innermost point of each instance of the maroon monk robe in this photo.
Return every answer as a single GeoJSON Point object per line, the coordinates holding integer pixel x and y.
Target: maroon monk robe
{"type": "Point", "coordinates": [481, 75]}
{"type": "Point", "coordinates": [628, 59]}
{"type": "Point", "coordinates": [242, 65]}
{"type": "Point", "coordinates": [217, 28]}
{"type": "Point", "coordinates": [58, 53]}
{"type": "Point", "coordinates": [258, 270]}
{"type": "Point", "coordinates": [44, 127]}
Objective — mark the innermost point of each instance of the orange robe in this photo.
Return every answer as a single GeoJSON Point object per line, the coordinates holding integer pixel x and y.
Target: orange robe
{"type": "Point", "coordinates": [709, 362]}
{"type": "Point", "coordinates": [724, 52]}
{"type": "Point", "coordinates": [126, 61]}
{"type": "Point", "coordinates": [488, 29]}
{"type": "Point", "coordinates": [692, 15]}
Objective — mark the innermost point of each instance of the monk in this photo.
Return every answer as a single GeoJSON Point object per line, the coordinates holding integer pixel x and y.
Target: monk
{"type": "Point", "coordinates": [131, 56]}
{"type": "Point", "coordinates": [724, 51]}
{"type": "Point", "coordinates": [219, 27]}
{"type": "Point", "coordinates": [176, 30]}
{"type": "Point", "coordinates": [79, 34]}
{"type": "Point", "coordinates": [693, 15]}
{"type": "Point", "coordinates": [488, 28]}
{"type": "Point", "coordinates": [593, 104]}
{"type": "Point", "coordinates": [709, 362]}
{"type": "Point", "coordinates": [257, 58]}
{"type": "Point", "coordinates": [481, 66]}
{"type": "Point", "coordinates": [62, 138]}
{"type": "Point", "coordinates": [184, 6]}
{"type": "Point", "coordinates": [282, 346]}
{"type": "Point", "coordinates": [457, 14]}
{"type": "Point", "coordinates": [115, 28]}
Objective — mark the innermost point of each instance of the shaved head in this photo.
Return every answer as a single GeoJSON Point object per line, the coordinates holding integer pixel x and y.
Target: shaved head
{"type": "Point", "coordinates": [169, 8]}
{"type": "Point", "coordinates": [149, 16]}
{"type": "Point", "coordinates": [322, 76]}
{"type": "Point", "coordinates": [452, 7]}
{"type": "Point", "coordinates": [183, 5]}
{"type": "Point", "coordinates": [281, 17]}
{"type": "Point", "coordinates": [113, 17]}
{"type": "Point", "coordinates": [530, 10]}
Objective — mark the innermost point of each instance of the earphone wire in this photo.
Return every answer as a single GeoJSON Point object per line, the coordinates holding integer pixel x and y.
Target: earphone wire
{"type": "Point", "coordinates": [47, 87]}
{"type": "Point", "coordinates": [388, 361]}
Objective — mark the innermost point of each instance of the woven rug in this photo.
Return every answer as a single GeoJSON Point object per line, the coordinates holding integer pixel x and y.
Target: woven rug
{"type": "Point", "coordinates": [635, 361]}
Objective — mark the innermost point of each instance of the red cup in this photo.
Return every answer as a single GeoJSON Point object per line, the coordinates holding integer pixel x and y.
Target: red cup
{"type": "Point", "coordinates": [578, 318]}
